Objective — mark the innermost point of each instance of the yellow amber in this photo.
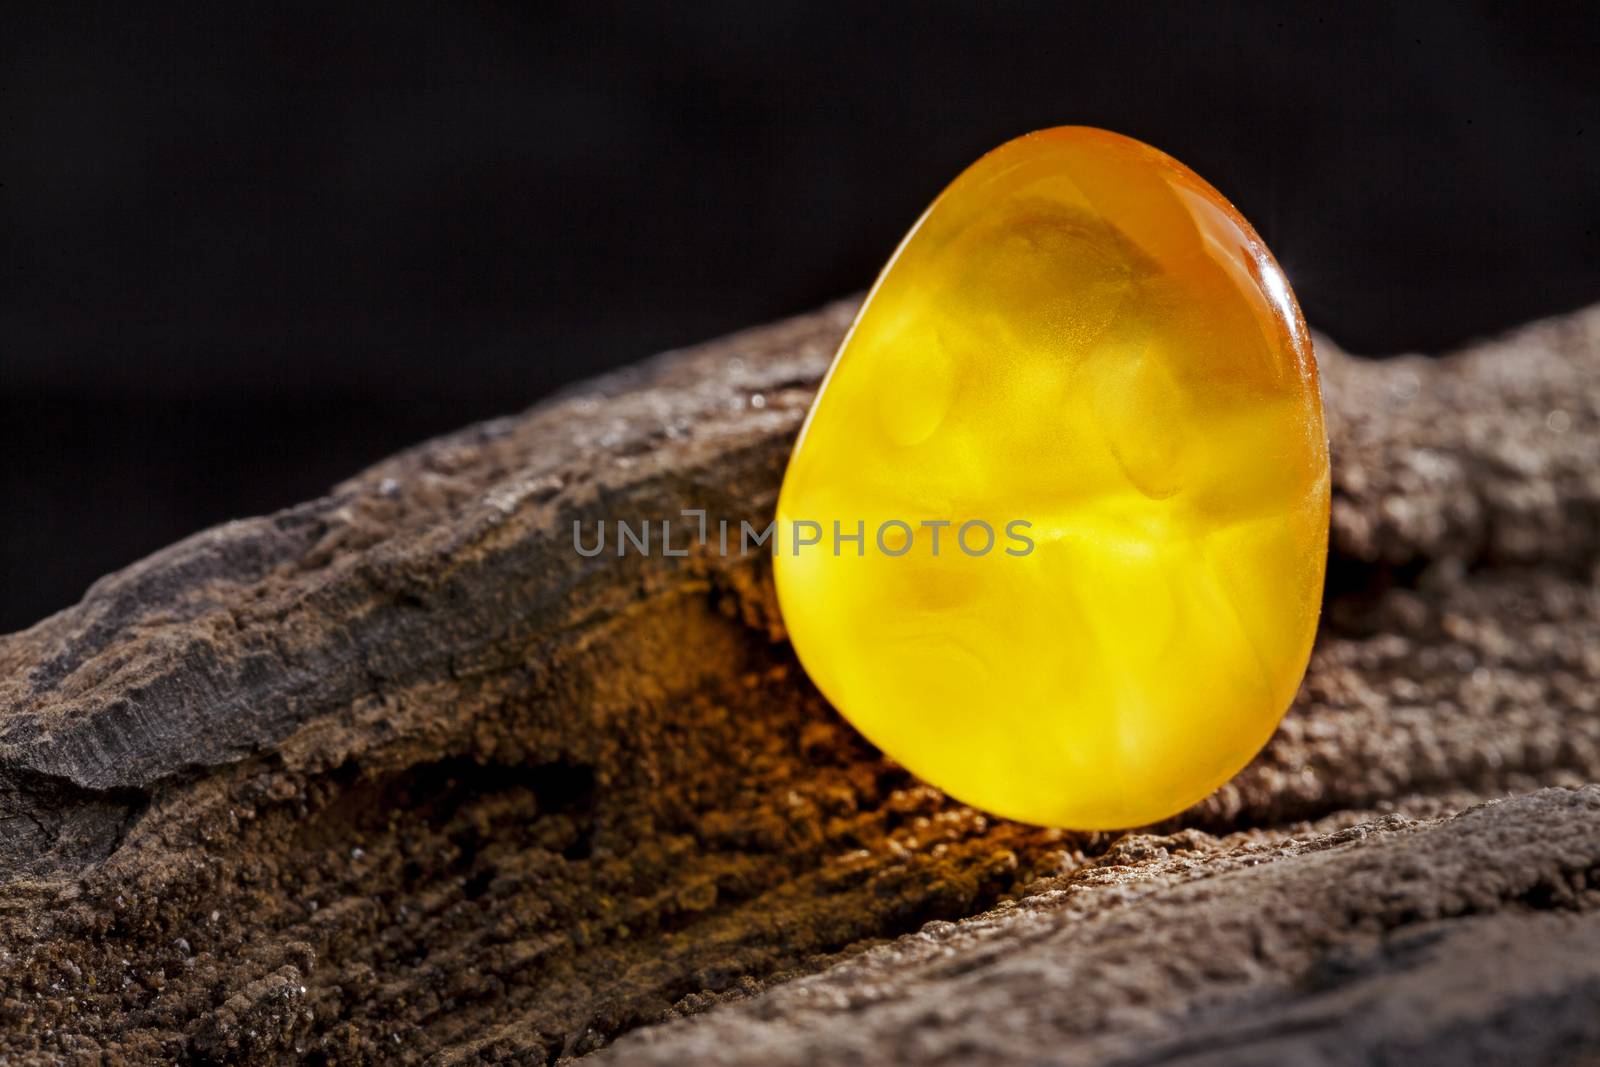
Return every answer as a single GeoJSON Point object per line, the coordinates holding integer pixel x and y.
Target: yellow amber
{"type": "Point", "coordinates": [1085, 347]}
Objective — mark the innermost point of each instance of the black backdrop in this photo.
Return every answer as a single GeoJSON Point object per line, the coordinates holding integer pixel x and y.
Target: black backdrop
{"type": "Point", "coordinates": [246, 255]}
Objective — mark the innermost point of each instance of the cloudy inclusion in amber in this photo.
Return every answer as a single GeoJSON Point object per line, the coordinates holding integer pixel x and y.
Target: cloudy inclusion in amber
{"type": "Point", "coordinates": [1082, 334]}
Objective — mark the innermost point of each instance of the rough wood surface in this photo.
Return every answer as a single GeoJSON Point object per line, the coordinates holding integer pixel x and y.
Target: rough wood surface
{"type": "Point", "coordinates": [397, 775]}
{"type": "Point", "coordinates": [1469, 940]}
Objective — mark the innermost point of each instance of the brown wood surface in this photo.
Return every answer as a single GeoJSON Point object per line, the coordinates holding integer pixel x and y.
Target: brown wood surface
{"type": "Point", "coordinates": [397, 776]}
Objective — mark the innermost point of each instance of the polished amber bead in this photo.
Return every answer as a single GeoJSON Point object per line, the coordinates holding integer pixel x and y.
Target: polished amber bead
{"type": "Point", "coordinates": [1083, 348]}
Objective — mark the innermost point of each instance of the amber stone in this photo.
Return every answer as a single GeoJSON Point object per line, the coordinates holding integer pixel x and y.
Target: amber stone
{"type": "Point", "coordinates": [1085, 350]}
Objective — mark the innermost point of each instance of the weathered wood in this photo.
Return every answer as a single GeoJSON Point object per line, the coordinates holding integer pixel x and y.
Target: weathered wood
{"type": "Point", "coordinates": [398, 774]}
{"type": "Point", "coordinates": [1472, 940]}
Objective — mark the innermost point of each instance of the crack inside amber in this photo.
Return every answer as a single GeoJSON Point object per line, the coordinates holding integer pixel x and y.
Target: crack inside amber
{"type": "Point", "coordinates": [1083, 337]}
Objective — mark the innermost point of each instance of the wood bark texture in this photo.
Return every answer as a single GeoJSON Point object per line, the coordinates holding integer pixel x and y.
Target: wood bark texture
{"type": "Point", "coordinates": [398, 776]}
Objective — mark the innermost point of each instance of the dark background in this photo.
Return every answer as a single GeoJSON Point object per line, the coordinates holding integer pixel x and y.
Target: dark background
{"type": "Point", "coordinates": [245, 256]}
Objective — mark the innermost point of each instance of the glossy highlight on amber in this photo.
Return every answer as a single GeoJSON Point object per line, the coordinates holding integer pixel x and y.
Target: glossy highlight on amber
{"type": "Point", "coordinates": [1082, 334]}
